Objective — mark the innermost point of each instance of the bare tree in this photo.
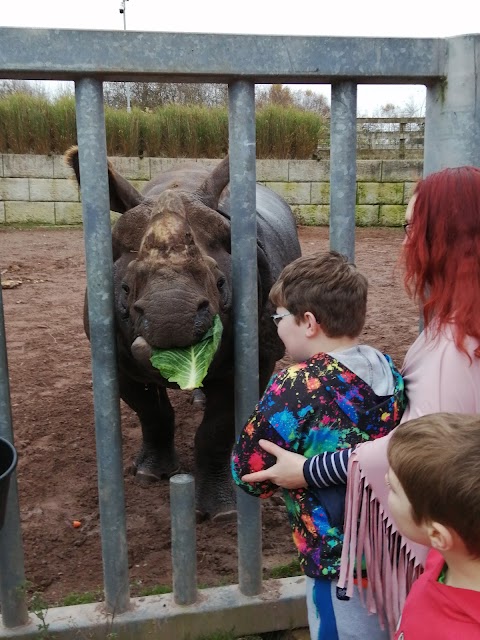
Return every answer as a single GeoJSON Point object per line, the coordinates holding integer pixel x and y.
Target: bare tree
{"type": "Point", "coordinates": [412, 109]}
{"type": "Point", "coordinates": [149, 95]}
{"type": "Point", "coordinates": [408, 110]}
{"type": "Point", "coordinates": [281, 95]}
{"type": "Point", "coordinates": [311, 101]}
{"type": "Point", "coordinates": [388, 110]}
{"type": "Point", "coordinates": [29, 87]}
{"type": "Point", "coordinates": [276, 94]}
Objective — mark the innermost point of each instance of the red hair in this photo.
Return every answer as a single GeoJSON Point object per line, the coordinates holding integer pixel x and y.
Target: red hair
{"type": "Point", "coordinates": [442, 252]}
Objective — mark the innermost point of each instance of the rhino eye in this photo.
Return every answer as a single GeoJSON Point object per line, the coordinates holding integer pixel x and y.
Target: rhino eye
{"type": "Point", "coordinates": [125, 287]}
{"type": "Point", "coordinates": [221, 283]}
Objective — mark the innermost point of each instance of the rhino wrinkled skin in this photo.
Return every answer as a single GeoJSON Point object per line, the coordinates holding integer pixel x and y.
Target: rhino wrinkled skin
{"type": "Point", "coordinates": [172, 275]}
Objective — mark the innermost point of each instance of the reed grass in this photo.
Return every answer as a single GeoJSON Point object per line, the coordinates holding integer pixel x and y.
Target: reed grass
{"type": "Point", "coordinates": [25, 124]}
{"type": "Point", "coordinates": [122, 130]}
{"type": "Point", "coordinates": [287, 132]}
{"type": "Point", "coordinates": [33, 124]}
{"type": "Point", "coordinates": [63, 129]}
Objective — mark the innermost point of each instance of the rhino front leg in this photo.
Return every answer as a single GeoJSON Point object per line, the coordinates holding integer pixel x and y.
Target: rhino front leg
{"type": "Point", "coordinates": [157, 458]}
{"type": "Point", "coordinates": [215, 492]}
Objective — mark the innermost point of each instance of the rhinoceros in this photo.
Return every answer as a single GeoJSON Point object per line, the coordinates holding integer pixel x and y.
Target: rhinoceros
{"type": "Point", "coordinates": [172, 277]}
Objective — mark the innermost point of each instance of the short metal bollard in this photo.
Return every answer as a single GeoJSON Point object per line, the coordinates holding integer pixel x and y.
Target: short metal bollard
{"type": "Point", "coordinates": [184, 550]}
{"type": "Point", "coordinates": [8, 462]}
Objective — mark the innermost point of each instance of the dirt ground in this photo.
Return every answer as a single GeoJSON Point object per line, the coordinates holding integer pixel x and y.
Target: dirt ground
{"type": "Point", "coordinates": [50, 379]}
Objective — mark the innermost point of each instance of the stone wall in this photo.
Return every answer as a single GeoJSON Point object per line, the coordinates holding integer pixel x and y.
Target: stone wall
{"type": "Point", "coordinates": [42, 190]}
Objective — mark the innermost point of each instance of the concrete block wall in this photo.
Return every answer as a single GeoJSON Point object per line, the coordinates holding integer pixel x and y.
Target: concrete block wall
{"type": "Point", "coordinates": [43, 190]}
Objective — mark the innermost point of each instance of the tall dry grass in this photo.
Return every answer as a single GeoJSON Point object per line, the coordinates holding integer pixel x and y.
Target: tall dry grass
{"type": "Point", "coordinates": [25, 124]}
{"type": "Point", "coordinates": [286, 132]}
{"type": "Point", "coordinates": [33, 124]}
{"type": "Point", "coordinates": [63, 130]}
{"type": "Point", "coordinates": [122, 130]}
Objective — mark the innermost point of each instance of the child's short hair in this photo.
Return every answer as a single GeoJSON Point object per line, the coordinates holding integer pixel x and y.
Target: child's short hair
{"type": "Point", "coordinates": [436, 459]}
{"type": "Point", "coordinates": [328, 286]}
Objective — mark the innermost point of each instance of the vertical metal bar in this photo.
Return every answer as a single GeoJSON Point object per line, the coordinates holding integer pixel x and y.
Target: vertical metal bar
{"type": "Point", "coordinates": [12, 572]}
{"type": "Point", "coordinates": [431, 144]}
{"type": "Point", "coordinates": [99, 266]}
{"type": "Point", "coordinates": [184, 552]}
{"type": "Point", "coordinates": [452, 123]}
{"type": "Point", "coordinates": [245, 311]}
{"type": "Point", "coordinates": [343, 168]}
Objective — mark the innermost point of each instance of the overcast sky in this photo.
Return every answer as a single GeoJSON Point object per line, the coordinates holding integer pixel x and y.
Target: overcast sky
{"type": "Point", "coordinates": [408, 18]}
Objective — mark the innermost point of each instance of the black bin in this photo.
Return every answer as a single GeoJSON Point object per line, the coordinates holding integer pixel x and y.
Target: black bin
{"type": "Point", "coordinates": [8, 462]}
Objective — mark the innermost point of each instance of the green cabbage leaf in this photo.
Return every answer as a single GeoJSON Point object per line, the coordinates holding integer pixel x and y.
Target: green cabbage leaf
{"type": "Point", "coordinates": [188, 366]}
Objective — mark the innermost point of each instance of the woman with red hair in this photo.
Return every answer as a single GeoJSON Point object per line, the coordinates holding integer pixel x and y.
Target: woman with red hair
{"type": "Point", "coordinates": [441, 371]}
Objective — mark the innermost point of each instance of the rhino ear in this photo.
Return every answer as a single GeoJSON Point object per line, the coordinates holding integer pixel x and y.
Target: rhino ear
{"type": "Point", "coordinates": [210, 191]}
{"type": "Point", "coordinates": [123, 196]}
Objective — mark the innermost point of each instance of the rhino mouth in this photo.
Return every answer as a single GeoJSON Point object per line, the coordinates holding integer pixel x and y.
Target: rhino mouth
{"type": "Point", "coordinates": [200, 333]}
{"type": "Point", "coordinates": [142, 349]}
{"type": "Point", "coordinates": [197, 329]}
{"type": "Point", "coordinates": [185, 366]}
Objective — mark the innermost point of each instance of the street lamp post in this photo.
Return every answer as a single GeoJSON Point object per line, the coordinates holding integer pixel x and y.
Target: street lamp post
{"type": "Point", "coordinates": [127, 85]}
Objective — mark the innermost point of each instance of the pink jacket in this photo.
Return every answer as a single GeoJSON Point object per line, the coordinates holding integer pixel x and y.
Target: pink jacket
{"type": "Point", "coordinates": [438, 377]}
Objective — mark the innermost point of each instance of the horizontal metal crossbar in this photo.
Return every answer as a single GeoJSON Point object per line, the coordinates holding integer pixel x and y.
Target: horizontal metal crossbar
{"type": "Point", "coordinates": [62, 54]}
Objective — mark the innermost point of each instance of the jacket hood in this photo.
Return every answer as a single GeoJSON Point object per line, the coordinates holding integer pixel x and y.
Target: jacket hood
{"type": "Point", "coordinates": [367, 410]}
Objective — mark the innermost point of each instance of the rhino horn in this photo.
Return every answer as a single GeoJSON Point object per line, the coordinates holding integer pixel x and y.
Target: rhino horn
{"type": "Point", "coordinates": [211, 190]}
{"type": "Point", "coordinates": [123, 196]}
{"type": "Point", "coordinates": [168, 232]}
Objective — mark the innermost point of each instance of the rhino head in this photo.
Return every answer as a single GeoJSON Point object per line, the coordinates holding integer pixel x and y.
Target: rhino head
{"type": "Point", "coordinates": [171, 250]}
{"type": "Point", "coordinates": [173, 289]}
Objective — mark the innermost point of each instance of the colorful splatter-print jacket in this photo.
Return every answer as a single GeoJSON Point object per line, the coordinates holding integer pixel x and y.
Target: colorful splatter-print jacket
{"type": "Point", "coordinates": [312, 407]}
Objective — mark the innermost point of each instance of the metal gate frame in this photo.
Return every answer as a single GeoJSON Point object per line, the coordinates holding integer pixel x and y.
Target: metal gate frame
{"type": "Point", "coordinates": [448, 67]}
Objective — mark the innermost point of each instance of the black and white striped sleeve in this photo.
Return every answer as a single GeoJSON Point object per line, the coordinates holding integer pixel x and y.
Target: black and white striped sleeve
{"type": "Point", "coordinates": [327, 469]}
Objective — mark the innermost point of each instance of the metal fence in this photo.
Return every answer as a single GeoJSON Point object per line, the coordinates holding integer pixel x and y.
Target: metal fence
{"type": "Point", "coordinates": [450, 69]}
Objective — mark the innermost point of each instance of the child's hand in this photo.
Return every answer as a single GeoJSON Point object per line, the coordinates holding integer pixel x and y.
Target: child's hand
{"type": "Point", "coordinates": [287, 472]}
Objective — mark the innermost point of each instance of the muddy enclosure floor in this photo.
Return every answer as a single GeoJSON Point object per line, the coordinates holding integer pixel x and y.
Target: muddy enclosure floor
{"type": "Point", "coordinates": [51, 393]}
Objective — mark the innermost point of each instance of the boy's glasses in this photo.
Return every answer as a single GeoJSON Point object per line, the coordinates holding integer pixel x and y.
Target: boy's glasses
{"type": "Point", "coordinates": [278, 316]}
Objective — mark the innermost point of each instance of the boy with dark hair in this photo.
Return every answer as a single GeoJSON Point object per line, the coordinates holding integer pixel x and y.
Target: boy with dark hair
{"type": "Point", "coordinates": [338, 394]}
{"type": "Point", "coordinates": [434, 498]}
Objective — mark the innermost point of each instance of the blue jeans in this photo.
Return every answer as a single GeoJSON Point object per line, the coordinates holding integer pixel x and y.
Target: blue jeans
{"type": "Point", "coordinates": [332, 619]}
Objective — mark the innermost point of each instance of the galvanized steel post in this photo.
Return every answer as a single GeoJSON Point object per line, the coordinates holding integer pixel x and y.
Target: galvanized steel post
{"type": "Point", "coordinates": [242, 137]}
{"type": "Point", "coordinates": [12, 572]}
{"type": "Point", "coordinates": [343, 168]}
{"type": "Point", "coordinates": [99, 266]}
{"type": "Point", "coordinates": [184, 552]}
{"type": "Point", "coordinates": [452, 122]}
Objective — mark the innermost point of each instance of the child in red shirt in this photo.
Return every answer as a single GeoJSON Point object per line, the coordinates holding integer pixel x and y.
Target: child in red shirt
{"type": "Point", "coordinates": [434, 497]}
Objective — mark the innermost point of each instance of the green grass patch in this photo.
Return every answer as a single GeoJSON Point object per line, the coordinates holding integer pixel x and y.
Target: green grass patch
{"type": "Point", "coordinates": [285, 570]}
{"type": "Point", "coordinates": [230, 635]}
{"type": "Point", "coordinates": [81, 598]}
{"type": "Point", "coordinates": [221, 635]}
{"type": "Point", "coordinates": [156, 590]}
{"type": "Point", "coordinates": [219, 582]}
